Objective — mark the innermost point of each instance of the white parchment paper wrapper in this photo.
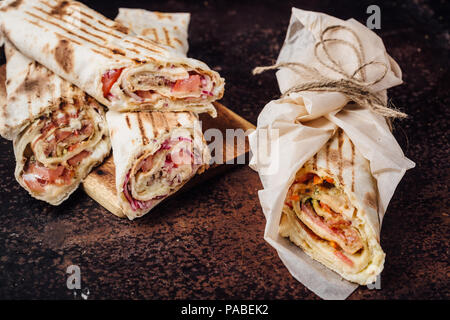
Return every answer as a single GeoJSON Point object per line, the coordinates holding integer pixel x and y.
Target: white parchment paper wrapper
{"type": "Point", "coordinates": [280, 146]}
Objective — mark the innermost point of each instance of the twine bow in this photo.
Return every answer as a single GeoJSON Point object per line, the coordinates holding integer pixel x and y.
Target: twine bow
{"type": "Point", "coordinates": [354, 86]}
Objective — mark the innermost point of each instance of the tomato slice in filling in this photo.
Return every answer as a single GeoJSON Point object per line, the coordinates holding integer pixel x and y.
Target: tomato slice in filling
{"type": "Point", "coordinates": [36, 176]}
{"type": "Point", "coordinates": [193, 84]}
{"type": "Point", "coordinates": [108, 80]}
{"type": "Point", "coordinates": [325, 224]}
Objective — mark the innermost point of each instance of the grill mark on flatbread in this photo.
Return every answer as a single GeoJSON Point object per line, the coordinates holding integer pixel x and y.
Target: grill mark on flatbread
{"type": "Point", "coordinates": [60, 8]}
{"type": "Point", "coordinates": [121, 28]}
{"type": "Point", "coordinates": [116, 27]}
{"type": "Point", "coordinates": [138, 61]}
{"type": "Point", "coordinates": [145, 33]}
{"type": "Point", "coordinates": [89, 16]}
{"type": "Point", "coordinates": [149, 41]}
{"type": "Point", "coordinates": [16, 4]}
{"type": "Point", "coordinates": [178, 41]}
{"type": "Point", "coordinates": [340, 161]}
{"type": "Point", "coordinates": [166, 34]}
{"type": "Point", "coordinates": [353, 166]}
{"type": "Point", "coordinates": [134, 50]}
{"type": "Point", "coordinates": [75, 35]}
{"type": "Point", "coordinates": [155, 33]}
{"type": "Point", "coordinates": [37, 24]}
{"type": "Point", "coordinates": [152, 120]}
{"type": "Point", "coordinates": [100, 22]}
{"type": "Point", "coordinates": [61, 27]}
{"type": "Point", "coordinates": [12, 5]}
{"type": "Point", "coordinates": [102, 53]}
{"type": "Point", "coordinates": [127, 119]}
{"type": "Point", "coordinates": [335, 157]}
{"type": "Point", "coordinates": [64, 37]}
{"type": "Point", "coordinates": [119, 51]}
{"type": "Point", "coordinates": [110, 30]}
{"type": "Point", "coordinates": [140, 45]}
{"type": "Point", "coordinates": [166, 123]}
{"type": "Point", "coordinates": [64, 55]}
{"type": "Point", "coordinates": [74, 4]}
{"type": "Point", "coordinates": [99, 30]}
{"type": "Point", "coordinates": [315, 162]}
{"type": "Point", "coordinates": [70, 23]}
{"type": "Point", "coordinates": [160, 15]}
{"type": "Point", "coordinates": [107, 31]}
{"type": "Point", "coordinates": [327, 151]}
{"type": "Point", "coordinates": [141, 129]}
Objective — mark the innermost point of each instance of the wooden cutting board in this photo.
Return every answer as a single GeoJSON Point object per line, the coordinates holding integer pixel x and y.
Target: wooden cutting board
{"type": "Point", "coordinates": [100, 183]}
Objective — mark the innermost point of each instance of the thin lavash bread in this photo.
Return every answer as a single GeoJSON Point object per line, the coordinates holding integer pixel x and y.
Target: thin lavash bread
{"type": "Point", "coordinates": [155, 154]}
{"type": "Point", "coordinates": [354, 196]}
{"type": "Point", "coordinates": [31, 90]}
{"type": "Point", "coordinates": [55, 181]}
{"type": "Point", "coordinates": [170, 29]}
{"type": "Point", "coordinates": [40, 90]}
{"type": "Point", "coordinates": [102, 57]}
{"type": "Point", "coordinates": [34, 97]}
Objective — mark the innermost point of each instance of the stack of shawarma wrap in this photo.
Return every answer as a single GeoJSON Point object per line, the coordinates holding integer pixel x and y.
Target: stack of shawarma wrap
{"type": "Point", "coordinates": [78, 83]}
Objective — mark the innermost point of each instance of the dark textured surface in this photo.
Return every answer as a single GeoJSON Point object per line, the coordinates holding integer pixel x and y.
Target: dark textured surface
{"type": "Point", "coordinates": [209, 243]}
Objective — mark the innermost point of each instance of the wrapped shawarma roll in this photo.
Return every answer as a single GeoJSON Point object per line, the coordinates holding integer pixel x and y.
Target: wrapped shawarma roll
{"type": "Point", "coordinates": [123, 71]}
{"type": "Point", "coordinates": [166, 28]}
{"type": "Point", "coordinates": [59, 133]}
{"type": "Point", "coordinates": [331, 212]}
{"type": "Point", "coordinates": [155, 154]}
{"type": "Point", "coordinates": [328, 162]}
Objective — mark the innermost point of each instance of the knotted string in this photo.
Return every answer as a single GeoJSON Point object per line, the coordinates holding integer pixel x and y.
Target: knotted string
{"type": "Point", "coordinates": [353, 86]}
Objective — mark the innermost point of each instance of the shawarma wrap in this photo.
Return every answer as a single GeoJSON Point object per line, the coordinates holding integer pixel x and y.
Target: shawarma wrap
{"type": "Point", "coordinates": [331, 212]}
{"type": "Point", "coordinates": [155, 154]}
{"type": "Point", "coordinates": [59, 133]}
{"type": "Point", "coordinates": [148, 172]}
{"type": "Point", "coordinates": [121, 70]}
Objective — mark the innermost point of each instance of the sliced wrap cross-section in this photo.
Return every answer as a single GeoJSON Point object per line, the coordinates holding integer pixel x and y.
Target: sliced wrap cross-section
{"type": "Point", "coordinates": [155, 154]}
{"type": "Point", "coordinates": [330, 212]}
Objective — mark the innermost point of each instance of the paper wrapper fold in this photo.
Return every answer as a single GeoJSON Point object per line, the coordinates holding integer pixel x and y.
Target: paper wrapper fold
{"type": "Point", "coordinates": [298, 126]}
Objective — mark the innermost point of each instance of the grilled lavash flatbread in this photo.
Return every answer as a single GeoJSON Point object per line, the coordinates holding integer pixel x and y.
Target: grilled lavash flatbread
{"type": "Point", "coordinates": [59, 133]}
{"type": "Point", "coordinates": [155, 154]}
{"type": "Point", "coordinates": [136, 197]}
{"type": "Point", "coordinates": [170, 29]}
{"type": "Point", "coordinates": [31, 91]}
{"type": "Point", "coordinates": [122, 71]}
{"type": "Point", "coordinates": [331, 212]}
